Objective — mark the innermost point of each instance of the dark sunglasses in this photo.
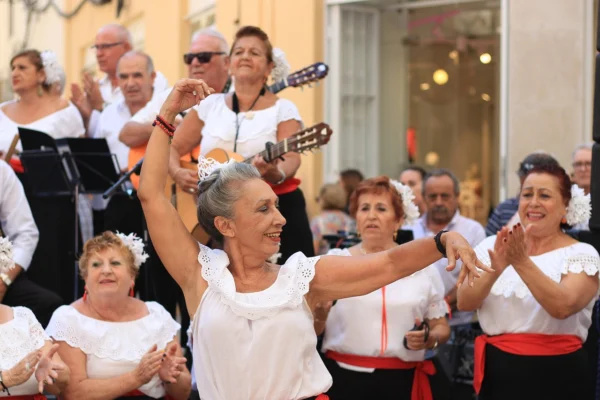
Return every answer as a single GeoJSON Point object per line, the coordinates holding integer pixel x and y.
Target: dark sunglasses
{"type": "Point", "coordinates": [202, 57]}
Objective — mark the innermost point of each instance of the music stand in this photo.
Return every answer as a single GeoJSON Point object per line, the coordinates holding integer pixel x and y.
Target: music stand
{"type": "Point", "coordinates": [70, 166]}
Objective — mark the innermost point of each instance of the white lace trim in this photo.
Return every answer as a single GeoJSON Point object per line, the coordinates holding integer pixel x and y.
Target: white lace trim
{"type": "Point", "coordinates": [437, 310]}
{"type": "Point", "coordinates": [339, 252]}
{"type": "Point", "coordinates": [114, 340]}
{"type": "Point", "coordinates": [511, 284]}
{"type": "Point", "coordinates": [19, 337]}
{"type": "Point", "coordinates": [288, 291]}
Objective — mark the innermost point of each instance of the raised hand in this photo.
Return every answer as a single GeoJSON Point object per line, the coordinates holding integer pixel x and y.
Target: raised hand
{"type": "Point", "coordinates": [172, 365]}
{"type": "Point", "coordinates": [21, 372]}
{"type": "Point", "coordinates": [498, 254]}
{"type": "Point", "coordinates": [149, 365]}
{"type": "Point", "coordinates": [80, 100]}
{"type": "Point", "coordinates": [47, 370]}
{"type": "Point", "coordinates": [457, 248]}
{"type": "Point", "coordinates": [92, 90]}
{"type": "Point", "coordinates": [185, 94]}
{"type": "Point", "coordinates": [516, 246]}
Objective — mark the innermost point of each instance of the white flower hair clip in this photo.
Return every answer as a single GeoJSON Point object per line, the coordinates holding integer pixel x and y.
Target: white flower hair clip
{"type": "Point", "coordinates": [579, 209]}
{"type": "Point", "coordinates": [136, 246]}
{"type": "Point", "coordinates": [52, 68]}
{"type": "Point", "coordinates": [207, 166]}
{"type": "Point", "coordinates": [281, 70]}
{"type": "Point", "coordinates": [411, 211]}
{"type": "Point", "coordinates": [6, 255]}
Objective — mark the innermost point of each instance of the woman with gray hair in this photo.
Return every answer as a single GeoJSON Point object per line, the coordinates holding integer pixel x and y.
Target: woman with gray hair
{"type": "Point", "coordinates": [253, 334]}
{"type": "Point", "coordinates": [29, 364]}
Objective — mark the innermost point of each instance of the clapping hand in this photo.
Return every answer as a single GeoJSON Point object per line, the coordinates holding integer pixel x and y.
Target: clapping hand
{"type": "Point", "coordinates": [21, 372]}
{"type": "Point", "coordinates": [47, 370]}
{"type": "Point", "coordinates": [172, 365]}
{"type": "Point", "coordinates": [149, 365]}
{"type": "Point", "coordinates": [457, 248]}
{"type": "Point", "coordinates": [515, 245]}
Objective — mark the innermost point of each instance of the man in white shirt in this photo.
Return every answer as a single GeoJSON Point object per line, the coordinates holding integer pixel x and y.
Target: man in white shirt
{"type": "Point", "coordinates": [19, 227]}
{"type": "Point", "coordinates": [112, 41]}
{"type": "Point", "coordinates": [440, 194]}
{"type": "Point", "coordinates": [207, 60]}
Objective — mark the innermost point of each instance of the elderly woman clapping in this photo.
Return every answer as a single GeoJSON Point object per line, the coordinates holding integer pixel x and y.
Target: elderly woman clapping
{"type": "Point", "coordinates": [29, 364]}
{"type": "Point", "coordinates": [116, 345]}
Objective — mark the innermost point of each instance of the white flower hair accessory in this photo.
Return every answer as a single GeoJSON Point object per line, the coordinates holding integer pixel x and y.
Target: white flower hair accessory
{"type": "Point", "coordinates": [411, 211]}
{"type": "Point", "coordinates": [207, 166]}
{"type": "Point", "coordinates": [281, 70]}
{"type": "Point", "coordinates": [136, 246]}
{"type": "Point", "coordinates": [6, 255]}
{"type": "Point", "coordinates": [52, 68]}
{"type": "Point", "coordinates": [579, 209]}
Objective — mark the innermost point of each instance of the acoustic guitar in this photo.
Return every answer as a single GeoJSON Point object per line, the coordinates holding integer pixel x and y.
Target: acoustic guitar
{"type": "Point", "coordinates": [300, 78]}
{"type": "Point", "coordinates": [307, 139]}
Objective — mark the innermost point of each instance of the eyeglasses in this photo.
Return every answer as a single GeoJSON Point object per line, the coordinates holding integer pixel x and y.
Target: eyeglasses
{"type": "Point", "coordinates": [203, 57]}
{"type": "Point", "coordinates": [105, 46]}
{"type": "Point", "coordinates": [582, 164]}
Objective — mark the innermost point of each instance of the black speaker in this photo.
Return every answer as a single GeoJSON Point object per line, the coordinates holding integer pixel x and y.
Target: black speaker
{"type": "Point", "coordinates": [596, 125]}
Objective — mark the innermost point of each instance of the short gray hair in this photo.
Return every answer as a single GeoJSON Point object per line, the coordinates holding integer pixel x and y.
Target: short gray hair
{"type": "Point", "coordinates": [212, 33]}
{"type": "Point", "coordinates": [583, 146]}
{"type": "Point", "coordinates": [443, 172]}
{"type": "Point", "coordinates": [219, 192]}
{"type": "Point", "coordinates": [122, 32]}
{"type": "Point", "coordinates": [132, 53]}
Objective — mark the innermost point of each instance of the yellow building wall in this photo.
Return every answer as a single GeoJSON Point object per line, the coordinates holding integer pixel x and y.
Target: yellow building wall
{"type": "Point", "coordinates": [297, 27]}
{"type": "Point", "coordinates": [166, 35]}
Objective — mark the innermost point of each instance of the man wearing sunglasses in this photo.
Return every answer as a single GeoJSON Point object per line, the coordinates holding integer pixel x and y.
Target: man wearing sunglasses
{"type": "Point", "coordinates": [112, 41]}
{"type": "Point", "coordinates": [207, 59]}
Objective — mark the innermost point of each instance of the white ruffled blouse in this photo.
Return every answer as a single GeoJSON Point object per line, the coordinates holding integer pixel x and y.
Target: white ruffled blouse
{"type": "Point", "coordinates": [115, 348]}
{"type": "Point", "coordinates": [19, 337]}
{"type": "Point", "coordinates": [255, 127]}
{"type": "Point", "coordinates": [511, 308]}
{"type": "Point", "coordinates": [354, 324]}
{"type": "Point", "coordinates": [262, 345]}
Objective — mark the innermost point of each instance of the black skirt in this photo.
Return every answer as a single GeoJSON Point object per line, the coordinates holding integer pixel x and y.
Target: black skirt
{"type": "Point", "coordinates": [381, 384]}
{"type": "Point", "coordinates": [296, 235]}
{"type": "Point", "coordinates": [517, 377]}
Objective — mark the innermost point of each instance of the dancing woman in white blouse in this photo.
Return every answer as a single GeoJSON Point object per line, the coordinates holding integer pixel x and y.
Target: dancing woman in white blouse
{"type": "Point", "coordinates": [253, 331]}
{"type": "Point", "coordinates": [536, 308]}
{"type": "Point", "coordinates": [117, 346]}
{"type": "Point", "coordinates": [29, 364]}
{"type": "Point", "coordinates": [364, 335]}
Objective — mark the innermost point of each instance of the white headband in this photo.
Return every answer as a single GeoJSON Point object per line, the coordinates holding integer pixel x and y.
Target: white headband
{"type": "Point", "coordinates": [579, 209]}
{"type": "Point", "coordinates": [411, 211]}
{"type": "Point", "coordinates": [6, 255]}
{"type": "Point", "coordinates": [136, 246]}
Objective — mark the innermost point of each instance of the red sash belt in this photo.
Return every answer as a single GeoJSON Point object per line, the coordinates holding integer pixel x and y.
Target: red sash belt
{"type": "Point", "coordinates": [526, 344]}
{"type": "Point", "coordinates": [136, 393]}
{"type": "Point", "coordinates": [420, 388]}
{"type": "Point", "coordinates": [26, 397]}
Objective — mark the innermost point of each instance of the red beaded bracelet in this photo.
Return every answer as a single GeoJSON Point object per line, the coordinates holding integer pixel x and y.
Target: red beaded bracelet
{"type": "Point", "coordinates": [167, 125]}
{"type": "Point", "coordinates": [166, 129]}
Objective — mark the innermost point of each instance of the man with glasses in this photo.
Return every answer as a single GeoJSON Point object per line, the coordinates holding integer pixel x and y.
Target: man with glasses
{"type": "Point", "coordinates": [207, 60]}
{"type": "Point", "coordinates": [582, 166]}
{"type": "Point", "coordinates": [112, 41]}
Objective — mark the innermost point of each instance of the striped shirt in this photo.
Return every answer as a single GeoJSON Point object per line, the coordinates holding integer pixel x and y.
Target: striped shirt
{"type": "Point", "coordinates": [501, 215]}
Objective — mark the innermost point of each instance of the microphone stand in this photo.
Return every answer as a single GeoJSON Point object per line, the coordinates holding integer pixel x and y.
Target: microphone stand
{"type": "Point", "coordinates": [135, 170]}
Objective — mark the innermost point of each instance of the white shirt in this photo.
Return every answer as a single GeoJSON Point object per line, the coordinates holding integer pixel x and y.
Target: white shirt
{"type": "Point", "coordinates": [473, 232]}
{"type": "Point", "coordinates": [110, 124]}
{"type": "Point", "coordinates": [15, 217]}
{"type": "Point", "coordinates": [511, 308]}
{"type": "Point", "coordinates": [115, 348]}
{"type": "Point", "coordinates": [354, 324]}
{"type": "Point", "coordinates": [65, 123]}
{"type": "Point", "coordinates": [256, 127]}
{"type": "Point", "coordinates": [255, 346]}
{"type": "Point", "coordinates": [111, 95]}
{"type": "Point", "coordinates": [19, 337]}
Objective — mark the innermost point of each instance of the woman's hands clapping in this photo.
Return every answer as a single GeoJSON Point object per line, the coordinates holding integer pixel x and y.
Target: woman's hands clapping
{"type": "Point", "coordinates": [47, 370]}
{"type": "Point", "coordinates": [21, 372]}
{"type": "Point", "coordinates": [172, 365]}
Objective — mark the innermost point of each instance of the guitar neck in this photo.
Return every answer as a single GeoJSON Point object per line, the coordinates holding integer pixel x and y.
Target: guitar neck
{"type": "Point", "coordinates": [272, 153]}
{"type": "Point", "coordinates": [278, 86]}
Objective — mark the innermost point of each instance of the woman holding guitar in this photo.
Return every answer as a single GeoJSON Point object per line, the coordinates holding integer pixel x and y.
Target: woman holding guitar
{"type": "Point", "coordinates": [244, 122]}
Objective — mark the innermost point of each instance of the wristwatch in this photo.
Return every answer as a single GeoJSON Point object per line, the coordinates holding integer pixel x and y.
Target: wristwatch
{"type": "Point", "coordinates": [5, 278]}
{"type": "Point", "coordinates": [435, 345]}
{"type": "Point", "coordinates": [283, 176]}
{"type": "Point", "coordinates": [3, 387]}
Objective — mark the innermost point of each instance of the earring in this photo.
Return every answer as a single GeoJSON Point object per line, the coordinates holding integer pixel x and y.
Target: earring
{"type": "Point", "coordinates": [563, 220]}
{"type": "Point", "coordinates": [132, 292]}
{"type": "Point", "coordinates": [358, 235]}
{"type": "Point", "coordinates": [39, 90]}
{"type": "Point", "coordinates": [395, 235]}
{"type": "Point", "coordinates": [85, 293]}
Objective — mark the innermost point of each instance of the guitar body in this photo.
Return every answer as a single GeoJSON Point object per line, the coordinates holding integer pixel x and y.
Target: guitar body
{"type": "Point", "coordinates": [224, 156]}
